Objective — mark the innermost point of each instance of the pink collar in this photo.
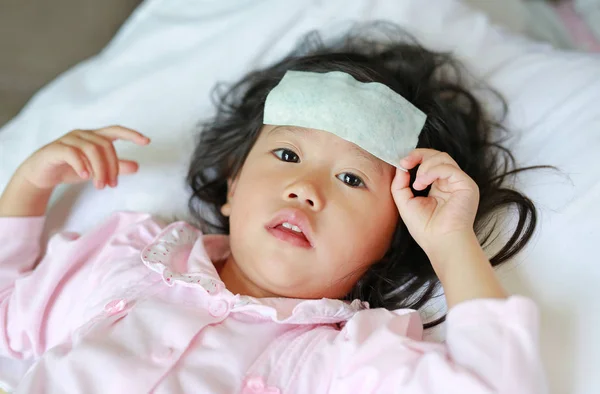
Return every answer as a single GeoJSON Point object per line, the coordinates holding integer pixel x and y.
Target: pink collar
{"type": "Point", "coordinates": [184, 257]}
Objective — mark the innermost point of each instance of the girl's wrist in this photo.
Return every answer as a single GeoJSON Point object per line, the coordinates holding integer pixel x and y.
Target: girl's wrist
{"type": "Point", "coordinates": [22, 198]}
{"type": "Point", "coordinates": [444, 250]}
{"type": "Point", "coordinates": [464, 270]}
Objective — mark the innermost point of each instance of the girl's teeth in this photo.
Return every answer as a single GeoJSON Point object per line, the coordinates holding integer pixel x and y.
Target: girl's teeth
{"type": "Point", "coordinates": [291, 227]}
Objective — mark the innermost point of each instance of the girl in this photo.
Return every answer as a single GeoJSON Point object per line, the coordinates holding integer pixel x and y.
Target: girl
{"type": "Point", "coordinates": [318, 254]}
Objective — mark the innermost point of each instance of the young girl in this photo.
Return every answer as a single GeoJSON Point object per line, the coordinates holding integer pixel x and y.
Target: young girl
{"type": "Point", "coordinates": [318, 256]}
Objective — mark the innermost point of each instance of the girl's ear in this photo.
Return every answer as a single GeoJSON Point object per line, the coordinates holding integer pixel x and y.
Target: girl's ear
{"type": "Point", "coordinates": [226, 208]}
{"type": "Point", "coordinates": [231, 184]}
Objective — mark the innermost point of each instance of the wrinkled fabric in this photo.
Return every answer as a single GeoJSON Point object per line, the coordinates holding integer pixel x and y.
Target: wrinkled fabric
{"type": "Point", "coordinates": [138, 306]}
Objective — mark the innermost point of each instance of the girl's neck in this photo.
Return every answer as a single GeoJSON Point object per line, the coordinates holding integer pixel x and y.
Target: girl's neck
{"type": "Point", "coordinates": [236, 282]}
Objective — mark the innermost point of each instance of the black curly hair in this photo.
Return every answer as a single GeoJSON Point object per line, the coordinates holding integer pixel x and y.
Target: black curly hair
{"type": "Point", "coordinates": [456, 123]}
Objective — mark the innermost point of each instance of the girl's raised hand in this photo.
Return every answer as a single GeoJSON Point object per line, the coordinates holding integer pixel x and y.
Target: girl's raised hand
{"type": "Point", "coordinates": [79, 156]}
{"type": "Point", "coordinates": [450, 206]}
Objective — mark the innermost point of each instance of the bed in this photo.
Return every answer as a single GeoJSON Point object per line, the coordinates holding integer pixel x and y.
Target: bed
{"type": "Point", "coordinates": [157, 73]}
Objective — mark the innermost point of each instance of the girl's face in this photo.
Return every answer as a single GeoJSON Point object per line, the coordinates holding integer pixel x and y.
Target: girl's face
{"type": "Point", "coordinates": [335, 197]}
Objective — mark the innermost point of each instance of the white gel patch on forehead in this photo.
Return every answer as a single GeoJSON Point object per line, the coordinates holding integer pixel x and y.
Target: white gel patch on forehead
{"type": "Point", "coordinates": [370, 115]}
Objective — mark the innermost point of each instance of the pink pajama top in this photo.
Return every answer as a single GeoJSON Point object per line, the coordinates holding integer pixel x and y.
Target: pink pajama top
{"type": "Point", "coordinates": [135, 306]}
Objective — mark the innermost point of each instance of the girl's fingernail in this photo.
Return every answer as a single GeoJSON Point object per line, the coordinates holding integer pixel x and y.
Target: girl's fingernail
{"type": "Point", "coordinates": [84, 174]}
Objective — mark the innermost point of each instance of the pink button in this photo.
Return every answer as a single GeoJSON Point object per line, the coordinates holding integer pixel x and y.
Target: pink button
{"type": "Point", "coordinates": [218, 308]}
{"type": "Point", "coordinates": [115, 306]}
{"type": "Point", "coordinates": [256, 385]}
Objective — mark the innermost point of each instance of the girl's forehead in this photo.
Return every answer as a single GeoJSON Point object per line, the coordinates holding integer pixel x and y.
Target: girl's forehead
{"type": "Point", "coordinates": [369, 115]}
{"type": "Point", "coordinates": [323, 138]}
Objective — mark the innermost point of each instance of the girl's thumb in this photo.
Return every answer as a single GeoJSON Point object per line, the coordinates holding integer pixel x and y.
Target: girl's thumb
{"type": "Point", "coordinates": [128, 167]}
{"type": "Point", "coordinates": [401, 191]}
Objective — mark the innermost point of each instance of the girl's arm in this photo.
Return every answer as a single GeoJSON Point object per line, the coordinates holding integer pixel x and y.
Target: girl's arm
{"type": "Point", "coordinates": [491, 347]}
{"type": "Point", "coordinates": [442, 224]}
{"type": "Point", "coordinates": [36, 302]}
{"type": "Point", "coordinates": [464, 270]}
{"type": "Point", "coordinates": [491, 342]}
{"type": "Point", "coordinates": [22, 199]}
{"type": "Point", "coordinates": [41, 305]}
{"type": "Point", "coordinates": [74, 158]}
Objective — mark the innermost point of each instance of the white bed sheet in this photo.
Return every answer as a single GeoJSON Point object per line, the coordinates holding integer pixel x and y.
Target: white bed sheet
{"type": "Point", "coordinates": [157, 73]}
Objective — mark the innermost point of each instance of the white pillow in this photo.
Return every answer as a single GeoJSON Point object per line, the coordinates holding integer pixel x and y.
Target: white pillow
{"type": "Point", "coordinates": [157, 73]}
{"type": "Point", "coordinates": [511, 14]}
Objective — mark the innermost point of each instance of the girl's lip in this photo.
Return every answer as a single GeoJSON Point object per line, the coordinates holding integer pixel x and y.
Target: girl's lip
{"type": "Point", "coordinates": [289, 236]}
{"type": "Point", "coordinates": [294, 217]}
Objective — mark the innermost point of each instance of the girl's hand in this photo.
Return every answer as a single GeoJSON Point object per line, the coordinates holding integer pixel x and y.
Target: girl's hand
{"type": "Point", "coordinates": [79, 156]}
{"type": "Point", "coordinates": [450, 207]}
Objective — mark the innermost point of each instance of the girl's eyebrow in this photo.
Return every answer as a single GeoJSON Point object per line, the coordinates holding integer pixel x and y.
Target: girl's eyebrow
{"type": "Point", "coordinates": [368, 158]}
{"type": "Point", "coordinates": [288, 129]}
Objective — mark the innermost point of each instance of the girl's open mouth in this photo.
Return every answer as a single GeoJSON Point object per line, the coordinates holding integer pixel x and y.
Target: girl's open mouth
{"type": "Point", "coordinates": [291, 234]}
{"type": "Point", "coordinates": [292, 226]}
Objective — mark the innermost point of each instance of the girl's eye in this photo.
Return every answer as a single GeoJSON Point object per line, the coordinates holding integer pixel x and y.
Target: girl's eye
{"type": "Point", "coordinates": [351, 180]}
{"type": "Point", "coordinates": [286, 155]}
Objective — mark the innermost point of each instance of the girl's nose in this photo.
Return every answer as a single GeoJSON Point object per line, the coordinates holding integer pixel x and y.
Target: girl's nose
{"type": "Point", "coordinates": [305, 193]}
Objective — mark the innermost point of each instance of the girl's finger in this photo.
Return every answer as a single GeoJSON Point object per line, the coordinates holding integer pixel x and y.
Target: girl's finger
{"type": "Point", "coordinates": [401, 191]}
{"type": "Point", "coordinates": [109, 154]}
{"type": "Point", "coordinates": [436, 160]}
{"type": "Point", "coordinates": [74, 157]}
{"type": "Point", "coordinates": [422, 156]}
{"type": "Point", "coordinates": [127, 167]}
{"type": "Point", "coordinates": [442, 171]}
{"type": "Point", "coordinates": [93, 153]}
{"type": "Point", "coordinates": [123, 133]}
{"type": "Point", "coordinates": [415, 157]}
{"type": "Point", "coordinates": [88, 165]}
